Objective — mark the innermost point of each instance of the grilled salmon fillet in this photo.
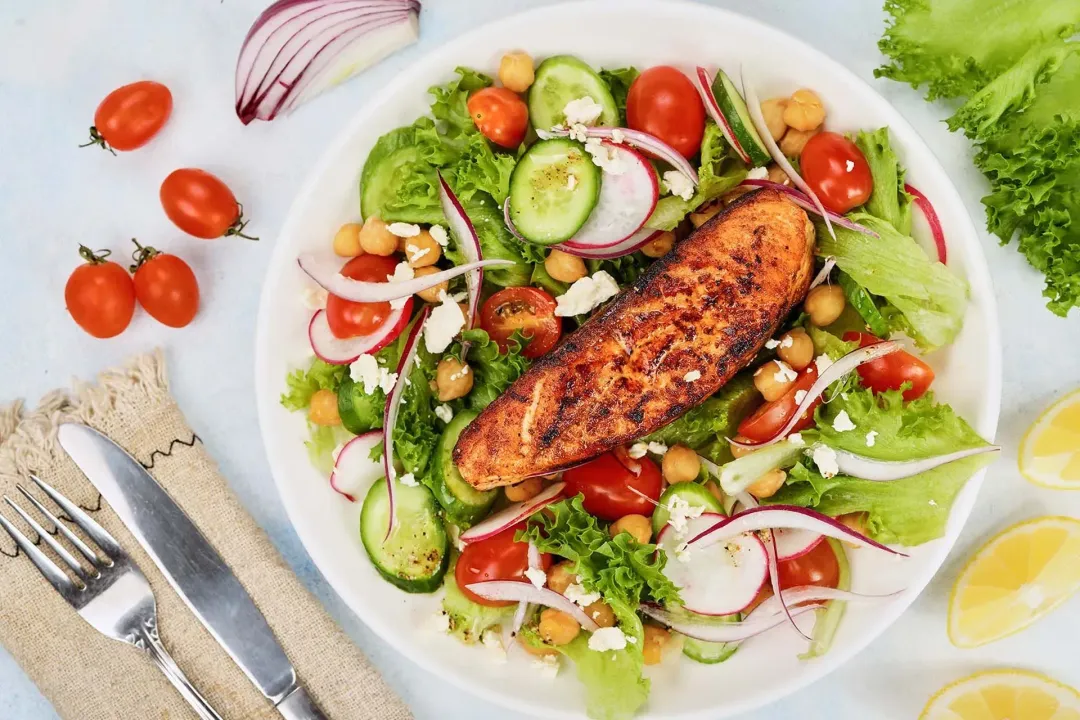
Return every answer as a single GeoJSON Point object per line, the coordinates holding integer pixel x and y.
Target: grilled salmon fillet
{"type": "Point", "coordinates": [706, 307]}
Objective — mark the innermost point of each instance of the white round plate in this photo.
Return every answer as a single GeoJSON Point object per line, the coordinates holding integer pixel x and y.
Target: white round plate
{"type": "Point", "coordinates": [608, 33]}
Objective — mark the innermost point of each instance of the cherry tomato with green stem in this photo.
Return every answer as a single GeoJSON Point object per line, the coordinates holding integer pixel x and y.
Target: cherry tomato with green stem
{"type": "Point", "coordinates": [100, 295]}
{"type": "Point", "coordinates": [165, 286]}
{"type": "Point", "coordinates": [202, 205]}
{"type": "Point", "coordinates": [130, 116]}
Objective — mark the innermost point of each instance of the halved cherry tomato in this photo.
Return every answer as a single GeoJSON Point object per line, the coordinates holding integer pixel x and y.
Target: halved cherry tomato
{"type": "Point", "coordinates": [352, 319]}
{"type": "Point", "coordinates": [497, 558]}
{"type": "Point", "coordinates": [837, 171]}
{"type": "Point", "coordinates": [609, 487]}
{"type": "Point", "coordinates": [500, 115]}
{"type": "Point", "coordinates": [770, 418]}
{"type": "Point", "coordinates": [528, 309]}
{"type": "Point", "coordinates": [165, 286]}
{"type": "Point", "coordinates": [130, 115]}
{"type": "Point", "coordinates": [100, 295]}
{"type": "Point", "coordinates": [818, 567]}
{"type": "Point", "coordinates": [202, 205]}
{"type": "Point", "coordinates": [892, 370]}
{"type": "Point", "coordinates": [663, 102]}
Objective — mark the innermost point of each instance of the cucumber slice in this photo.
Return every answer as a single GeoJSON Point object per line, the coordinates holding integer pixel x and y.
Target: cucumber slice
{"type": "Point", "coordinates": [416, 555]}
{"type": "Point", "coordinates": [695, 495]}
{"type": "Point", "coordinates": [734, 108]}
{"type": "Point", "coordinates": [359, 411]}
{"type": "Point", "coordinates": [463, 503]}
{"type": "Point", "coordinates": [859, 298]}
{"type": "Point", "coordinates": [561, 79]}
{"type": "Point", "coordinates": [709, 653]}
{"type": "Point", "coordinates": [543, 208]}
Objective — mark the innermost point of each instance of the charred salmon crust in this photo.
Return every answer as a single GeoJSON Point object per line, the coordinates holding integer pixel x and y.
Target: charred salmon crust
{"type": "Point", "coordinates": [707, 306]}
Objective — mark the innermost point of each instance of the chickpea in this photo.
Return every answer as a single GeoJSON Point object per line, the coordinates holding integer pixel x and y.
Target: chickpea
{"type": "Point", "coordinates": [656, 639]}
{"type": "Point", "coordinates": [347, 240]}
{"type": "Point", "coordinates": [738, 451]}
{"type": "Point", "coordinates": [773, 379]}
{"type": "Point", "coordinates": [777, 175]}
{"type": "Point", "coordinates": [681, 464]}
{"type": "Point", "coordinates": [794, 141]}
{"type": "Point", "coordinates": [523, 490]}
{"type": "Point", "coordinates": [564, 267]}
{"type": "Point", "coordinates": [804, 111]}
{"type": "Point", "coordinates": [453, 379]}
{"type": "Point", "coordinates": [516, 71]}
{"type": "Point", "coordinates": [824, 304]}
{"type": "Point", "coordinates": [431, 295]}
{"type": "Point", "coordinates": [557, 628]}
{"type": "Point", "coordinates": [323, 408]}
{"type": "Point", "coordinates": [660, 245]}
{"type": "Point", "coordinates": [376, 238]}
{"type": "Point", "coordinates": [601, 614]}
{"type": "Point", "coordinates": [773, 112]}
{"type": "Point", "coordinates": [539, 652]}
{"type": "Point", "coordinates": [422, 250]}
{"type": "Point", "coordinates": [767, 485]}
{"type": "Point", "coordinates": [561, 576]}
{"type": "Point", "coordinates": [796, 348]}
{"type": "Point", "coordinates": [639, 527]}
{"type": "Point", "coordinates": [704, 214]}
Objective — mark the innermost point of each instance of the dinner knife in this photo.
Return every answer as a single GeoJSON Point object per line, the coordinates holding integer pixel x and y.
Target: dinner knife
{"type": "Point", "coordinates": [191, 565]}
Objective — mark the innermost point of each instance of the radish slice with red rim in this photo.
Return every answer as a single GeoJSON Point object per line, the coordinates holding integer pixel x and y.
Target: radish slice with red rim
{"type": "Point", "coordinates": [805, 203]}
{"type": "Point", "coordinates": [327, 274]}
{"type": "Point", "coordinates": [932, 219]}
{"type": "Point", "coordinates": [714, 579]}
{"type": "Point", "coordinates": [632, 244]}
{"type": "Point", "coordinates": [643, 141]}
{"type": "Point", "coordinates": [354, 469]}
{"type": "Point", "coordinates": [704, 86]}
{"type": "Point", "coordinates": [393, 404]}
{"type": "Point", "coordinates": [627, 199]}
{"type": "Point", "coordinates": [791, 544]}
{"type": "Point", "coordinates": [342, 351]}
{"type": "Point", "coordinates": [517, 591]}
{"type": "Point", "coordinates": [513, 514]}
{"type": "Point", "coordinates": [465, 234]}
{"type": "Point", "coordinates": [866, 468]}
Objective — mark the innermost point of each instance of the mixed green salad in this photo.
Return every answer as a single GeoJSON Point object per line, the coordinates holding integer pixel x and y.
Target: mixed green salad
{"type": "Point", "coordinates": [502, 222]}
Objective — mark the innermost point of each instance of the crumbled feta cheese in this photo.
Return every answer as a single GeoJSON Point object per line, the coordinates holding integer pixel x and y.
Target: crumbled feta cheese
{"type": "Point", "coordinates": [788, 341]}
{"type": "Point", "coordinates": [409, 480]}
{"type": "Point", "coordinates": [366, 371]}
{"type": "Point", "coordinates": [575, 593]}
{"type": "Point", "coordinates": [617, 136]}
{"type": "Point", "coordinates": [681, 512]}
{"type": "Point", "coordinates": [548, 665]}
{"type": "Point", "coordinates": [403, 272]}
{"type": "Point", "coordinates": [460, 373]}
{"type": "Point", "coordinates": [536, 576]}
{"type": "Point", "coordinates": [460, 296]}
{"type": "Point", "coordinates": [842, 422]}
{"type": "Point", "coordinates": [337, 451]}
{"type": "Point", "coordinates": [607, 158]}
{"type": "Point", "coordinates": [657, 448]}
{"type": "Point", "coordinates": [414, 252]}
{"type": "Point", "coordinates": [871, 438]}
{"type": "Point", "coordinates": [584, 110]}
{"type": "Point", "coordinates": [784, 372]}
{"type": "Point", "coordinates": [796, 439]}
{"type": "Point", "coordinates": [682, 552]}
{"type": "Point", "coordinates": [585, 294]}
{"type": "Point", "coordinates": [443, 325]}
{"type": "Point", "coordinates": [822, 363]}
{"type": "Point", "coordinates": [455, 536]}
{"type": "Point", "coordinates": [678, 184]}
{"type": "Point", "coordinates": [772, 344]}
{"type": "Point", "coordinates": [439, 622]}
{"type": "Point", "coordinates": [571, 182]}
{"type": "Point", "coordinates": [800, 395]}
{"type": "Point", "coordinates": [608, 638]}
{"type": "Point", "coordinates": [849, 166]}
{"type": "Point", "coordinates": [638, 450]}
{"type": "Point", "coordinates": [579, 132]}
{"type": "Point", "coordinates": [825, 459]}
{"type": "Point", "coordinates": [404, 230]}
{"type": "Point", "coordinates": [758, 173]}
{"type": "Point", "coordinates": [444, 413]}
{"type": "Point", "coordinates": [692, 376]}
{"type": "Point", "coordinates": [314, 298]}
{"type": "Point", "coordinates": [491, 640]}
{"type": "Point", "coordinates": [438, 234]}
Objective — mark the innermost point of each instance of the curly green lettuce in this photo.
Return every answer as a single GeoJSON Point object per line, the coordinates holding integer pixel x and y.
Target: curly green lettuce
{"type": "Point", "coordinates": [496, 242]}
{"type": "Point", "coordinates": [707, 427]}
{"type": "Point", "coordinates": [619, 81]}
{"type": "Point", "coordinates": [493, 370]}
{"type": "Point", "coordinates": [302, 384]}
{"type": "Point", "coordinates": [888, 201]}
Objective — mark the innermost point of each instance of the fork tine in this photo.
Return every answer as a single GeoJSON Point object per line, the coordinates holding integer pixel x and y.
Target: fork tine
{"type": "Point", "coordinates": [56, 577]}
{"type": "Point", "coordinates": [97, 533]}
{"type": "Point", "coordinates": [74, 539]}
{"type": "Point", "coordinates": [48, 539]}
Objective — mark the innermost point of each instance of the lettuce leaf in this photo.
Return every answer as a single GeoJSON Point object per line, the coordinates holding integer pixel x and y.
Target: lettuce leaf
{"type": "Point", "coordinates": [619, 82]}
{"type": "Point", "coordinates": [416, 434]}
{"type": "Point", "coordinates": [625, 269]}
{"type": "Point", "coordinates": [302, 384]}
{"type": "Point", "coordinates": [321, 443]}
{"type": "Point", "coordinates": [398, 182]}
{"type": "Point", "coordinates": [888, 201]}
{"type": "Point", "coordinates": [493, 370]}
{"type": "Point", "coordinates": [496, 242]}
{"type": "Point", "coordinates": [450, 104]}
{"type": "Point", "coordinates": [469, 620]}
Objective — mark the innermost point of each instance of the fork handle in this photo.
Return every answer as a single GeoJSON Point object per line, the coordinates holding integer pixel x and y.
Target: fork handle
{"type": "Point", "coordinates": [176, 676]}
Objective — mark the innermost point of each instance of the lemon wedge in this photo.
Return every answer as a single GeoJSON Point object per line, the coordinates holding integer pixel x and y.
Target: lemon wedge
{"type": "Point", "coordinates": [1004, 695]}
{"type": "Point", "coordinates": [1050, 451]}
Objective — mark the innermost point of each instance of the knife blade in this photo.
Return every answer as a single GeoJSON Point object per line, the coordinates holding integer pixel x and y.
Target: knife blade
{"type": "Point", "coordinates": [191, 565]}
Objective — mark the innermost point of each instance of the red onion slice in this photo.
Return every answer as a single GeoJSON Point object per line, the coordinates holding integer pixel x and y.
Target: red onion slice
{"type": "Point", "coordinates": [512, 515]}
{"type": "Point", "coordinates": [796, 596]}
{"type": "Point", "coordinates": [632, 244]}
{"type": "Point", "coordinates": [465, 234]}
{"type": "Point", "coordinates": [393, 403]}
{"type": "Point", "coordinates": [338, 351]}
{"type": "Point", "coordinates": [517, 591]}
{"type": "Point", "coordinates": [704, 86]}
{"type": "Point", "coordinates": [885, 471]}
{"type": "Point", "coordinates": [774, 577]}
{"type": "Point", "coordinates": [805, 203]}
{"type": "Point", "coordinates": [327, 274]}
{"type": "Point", "coordinates": [823, 274]}
{"type": "Point", "coordinates": [523, 607]}
{"type": "Point", "coordinates": [634, 138]}
{"type": "Point", "coordinates": [755, 624]}
{"type": "Point", "coordinates": [932, 218]}
{"type": "Point", "coordinates": [354, 469]}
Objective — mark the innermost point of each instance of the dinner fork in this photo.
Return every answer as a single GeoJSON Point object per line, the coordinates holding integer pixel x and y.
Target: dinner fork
{"type": "Point", "coordinates": [112, 594]}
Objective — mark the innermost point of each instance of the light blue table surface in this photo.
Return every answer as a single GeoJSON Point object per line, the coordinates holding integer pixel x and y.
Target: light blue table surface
{"type": "Point", "coordinates": [58, 58]}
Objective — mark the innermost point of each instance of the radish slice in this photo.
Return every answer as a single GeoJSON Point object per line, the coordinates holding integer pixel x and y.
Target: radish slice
{"type": "Point", "coordinates": [354, 469]}
{"type": "Point", "coordinates": [932, 218]}
{"type": "Point", "coordinates": [715, 578]}
{"type": "Point", "coordinates": [885, 471]}
{"type": "Point", "coordinates": [635, 138]}
{"type": "Point", "coordinates": [465, 234]}
{"type": "Point", "coordinates": [774, 576]}
{"type": "Point", "coordinates": [635, 242]}
{"type": "Point", "coordinates": [704, 86]}
{"type": "Point", "coordinates": [791, 544]}
{"type": "Point", "coordinates": [823, 274]}
{"type": "Point", "coordinates": [512, 515]}
{"type": "Point", "coordinates": [393, 403]}
{"type": "Point", "coordinates": [327, 274]}
{"type": "Point", "coordinates": [805, 203]}
{"type": "Point", "coordinates": [774, 517]}
{"type": "Point", "coordinates": [626, 201]}
{"type": "Point", "coordinates": [753, 104]}
{"type": "Point", "coordinates": [517, 591]}
{"type": "Point", "coordinates": [337, 351]}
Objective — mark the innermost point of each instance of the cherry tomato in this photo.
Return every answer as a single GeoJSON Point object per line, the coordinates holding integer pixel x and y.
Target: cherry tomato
{"type": "Point", "coordinates": [663, 102]}
{"type": "Point", "coordinates": [771, 417]}
{"type": "Point", "coordinates": [608, 487]}
{"type": "Point", "coordinates": [500, 115]}
{"type": "Point", "coordinates": [837, 171]}
{"type": "Point", "coordinates": [351, 319]}
{"type": "Point", "coordinates": [893, 370]}
{"type": "Point", "coordinates": [528, 309]}
{"type": "Point", "coordinates": [818, 567]}
{"type": "Point", "coordinates": [130, 115]}
{"type": "Point", "coordinates": [165, 286]}
{"type": "Point", "coordinates": [100, 295]}
{"type": "Point", "coordinates": [202, 205]}
{"type": "Point", "coordinates": [497, 558]}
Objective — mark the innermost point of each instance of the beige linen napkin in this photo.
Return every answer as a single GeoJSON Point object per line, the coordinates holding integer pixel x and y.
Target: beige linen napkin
{"type": "Point", "coordinates": [89, 677]}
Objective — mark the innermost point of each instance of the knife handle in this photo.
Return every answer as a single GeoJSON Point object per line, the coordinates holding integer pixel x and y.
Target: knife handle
{"type": "Point", "coordinates": [298, 706]}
